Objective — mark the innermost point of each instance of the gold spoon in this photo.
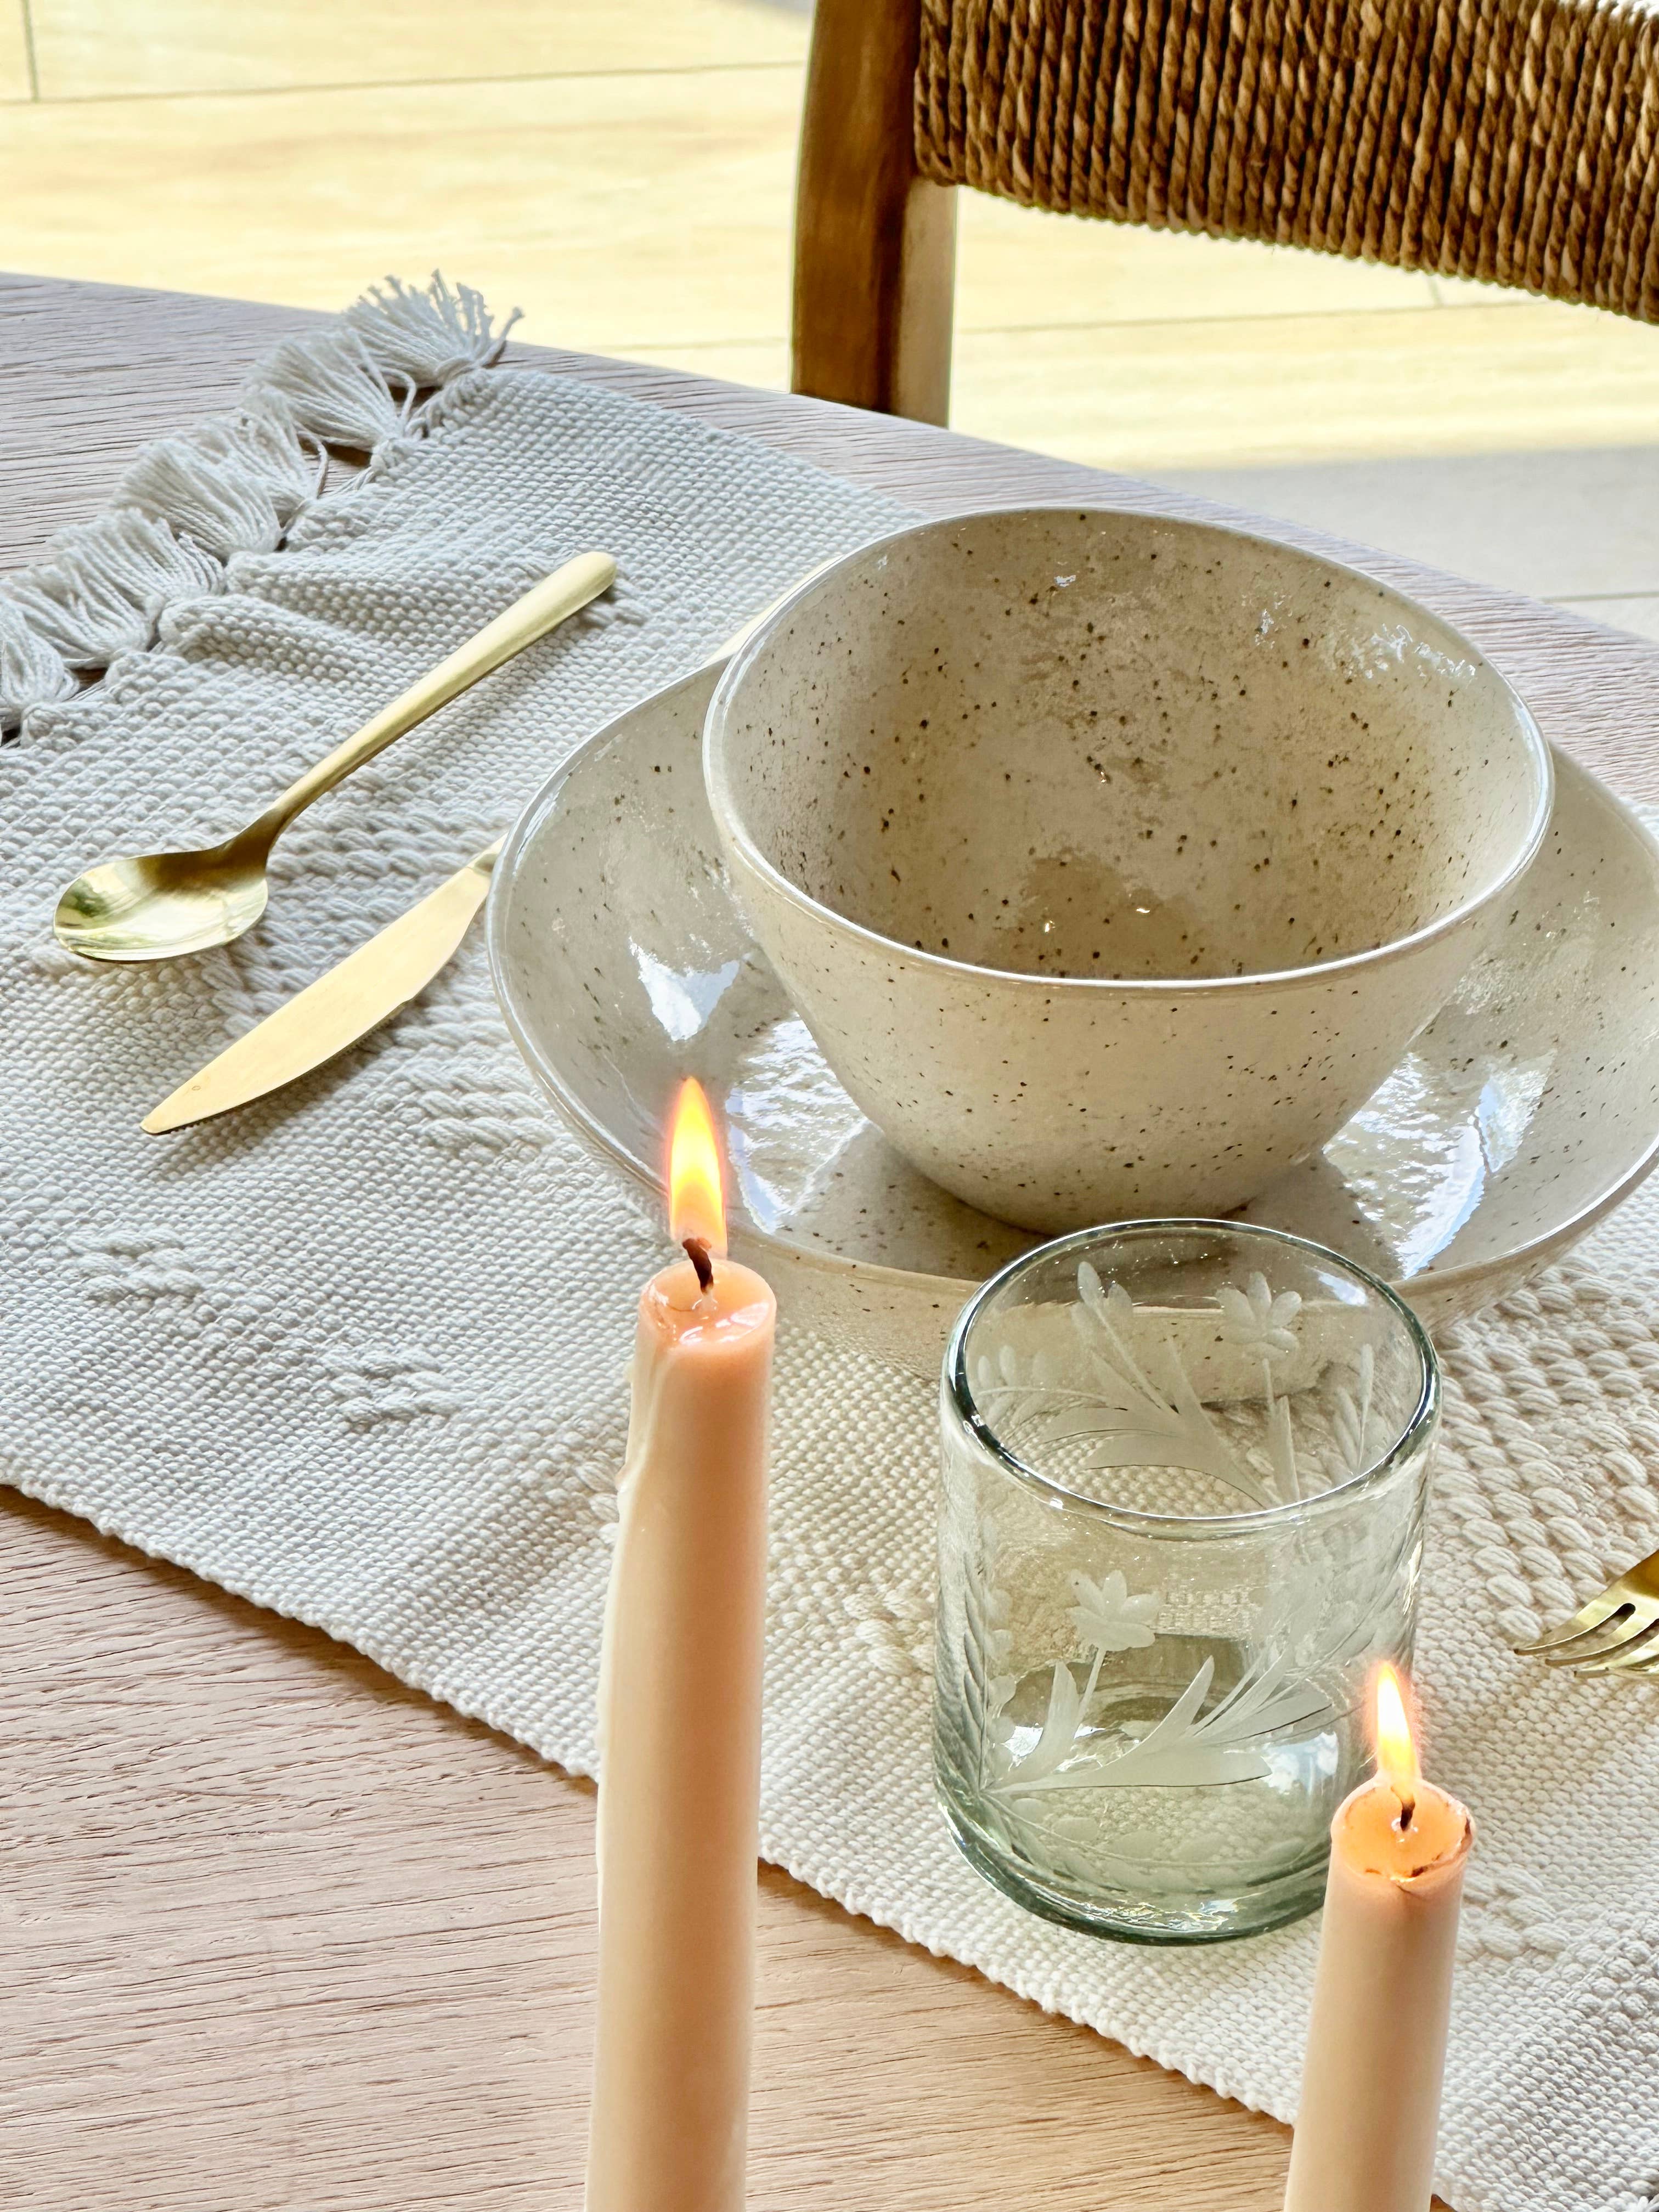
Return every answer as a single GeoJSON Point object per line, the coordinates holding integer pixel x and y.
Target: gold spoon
{"type": "Point", "coordinates": [154, 906]}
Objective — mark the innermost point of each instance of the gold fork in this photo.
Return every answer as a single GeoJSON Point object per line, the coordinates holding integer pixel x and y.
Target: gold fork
{"type": "Point", "coordinates": [1616, 1632]}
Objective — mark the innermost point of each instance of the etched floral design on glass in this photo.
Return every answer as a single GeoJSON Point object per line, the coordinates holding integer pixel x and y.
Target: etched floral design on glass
{"type": "Point", "coordinates": [1185, 1466]}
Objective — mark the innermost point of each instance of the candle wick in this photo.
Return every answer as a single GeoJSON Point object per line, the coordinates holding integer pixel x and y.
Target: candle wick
{"type": "Point", "coordinates": [696, 1251]}
{"type": "Point", "coordinates": [1408, 1808]}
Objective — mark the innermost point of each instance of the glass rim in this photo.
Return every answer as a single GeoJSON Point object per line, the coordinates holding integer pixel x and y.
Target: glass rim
{"type": "Point", "coordinates": [959, 1392]}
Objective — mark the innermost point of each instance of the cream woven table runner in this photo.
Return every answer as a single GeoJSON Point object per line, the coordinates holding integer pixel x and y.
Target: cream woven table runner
{"type": "Point", "coordinates": [357, 1352]}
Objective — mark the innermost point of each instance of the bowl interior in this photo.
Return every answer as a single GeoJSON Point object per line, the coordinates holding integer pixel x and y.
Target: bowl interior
{"type": "Point", "coordinates": [1094, 744]}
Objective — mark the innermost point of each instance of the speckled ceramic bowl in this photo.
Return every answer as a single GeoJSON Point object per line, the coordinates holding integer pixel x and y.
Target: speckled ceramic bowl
{"type": "Point", "coordinates": [1112, 861]}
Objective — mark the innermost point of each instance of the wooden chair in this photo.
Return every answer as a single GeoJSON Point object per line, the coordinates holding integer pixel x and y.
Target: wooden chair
{"type": "Point", "coordinates": [1512, 140]}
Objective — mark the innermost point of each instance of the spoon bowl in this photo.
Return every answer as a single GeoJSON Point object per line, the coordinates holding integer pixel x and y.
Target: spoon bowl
{"type": "Point", "coordinates": [156, 906]}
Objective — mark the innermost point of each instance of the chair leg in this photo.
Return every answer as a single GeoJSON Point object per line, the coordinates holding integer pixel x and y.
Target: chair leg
{"type": "Point", "coordinates": [875, 244]}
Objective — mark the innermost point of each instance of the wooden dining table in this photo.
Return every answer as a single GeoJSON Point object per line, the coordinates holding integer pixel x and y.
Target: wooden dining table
{"type": "Point", "coordinates": [279, 1932]}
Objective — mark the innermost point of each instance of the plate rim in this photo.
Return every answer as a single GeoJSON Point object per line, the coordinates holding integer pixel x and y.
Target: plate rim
{"type": "Point", "coordinates": [1518, 1263]}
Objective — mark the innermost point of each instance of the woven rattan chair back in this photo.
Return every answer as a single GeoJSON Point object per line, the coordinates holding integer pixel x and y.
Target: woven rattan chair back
{"type": "Point", "coordinates": [1512, 140]}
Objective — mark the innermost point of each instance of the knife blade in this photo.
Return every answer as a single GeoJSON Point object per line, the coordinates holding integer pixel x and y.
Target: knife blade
{"type": "Point", "coordinates": [354, 997]}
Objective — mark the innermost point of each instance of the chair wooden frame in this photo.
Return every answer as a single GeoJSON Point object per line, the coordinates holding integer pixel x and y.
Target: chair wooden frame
{"type": "Point", "coordinates": [875, 241]}
{"type": "Point", "coordinates": [1514, 141]}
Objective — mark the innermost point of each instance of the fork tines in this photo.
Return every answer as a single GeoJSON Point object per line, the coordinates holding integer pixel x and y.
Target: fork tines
{"type": "Point", "coordinates": [1616, 1632]}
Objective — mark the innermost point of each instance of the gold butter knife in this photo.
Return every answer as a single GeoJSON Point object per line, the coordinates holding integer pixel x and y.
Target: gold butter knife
{"type": "Point", "coordinates": [367, 986]}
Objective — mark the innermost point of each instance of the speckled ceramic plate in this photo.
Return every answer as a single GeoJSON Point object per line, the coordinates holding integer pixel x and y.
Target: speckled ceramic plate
{"type": "Point", "coordinates": [1525, 1111]}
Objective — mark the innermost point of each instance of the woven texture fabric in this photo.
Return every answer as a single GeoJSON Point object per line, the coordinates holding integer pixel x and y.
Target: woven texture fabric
{"type": "Point", "coordinates": [357, 1352]}
{"type": "Point", "coordinates": [1474, 137]}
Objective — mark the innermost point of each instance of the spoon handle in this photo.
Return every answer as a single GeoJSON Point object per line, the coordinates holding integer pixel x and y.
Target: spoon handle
{"type": "Point", "coordinates": [541, 608]}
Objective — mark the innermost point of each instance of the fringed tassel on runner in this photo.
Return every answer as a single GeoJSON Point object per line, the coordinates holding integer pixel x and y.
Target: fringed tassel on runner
{"type": "Point", "coordinates": [336, 391]}
{"type": "Point", "coordinates": [217, 502]}
{"type": "Point", "coordinates": [108, 582]}
{"type": "Point", "coordinates": [427, 337]}
{"type": "Point", "coordinates": [30, 670]}
{"type": "Point", "coordinates": [236, 485]}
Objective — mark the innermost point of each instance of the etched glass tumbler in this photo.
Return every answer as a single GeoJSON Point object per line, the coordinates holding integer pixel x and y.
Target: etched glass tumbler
{"type": "Point", "coordinates": [1185, 1467]}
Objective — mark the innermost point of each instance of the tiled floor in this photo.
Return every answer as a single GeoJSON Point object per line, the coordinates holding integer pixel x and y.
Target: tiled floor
{"type": "Point", "coordinates": [623, 171]}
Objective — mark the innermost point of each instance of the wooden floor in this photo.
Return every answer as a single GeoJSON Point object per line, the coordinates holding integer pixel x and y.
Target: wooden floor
{"type": "Point", "coordinates": [623, 170]}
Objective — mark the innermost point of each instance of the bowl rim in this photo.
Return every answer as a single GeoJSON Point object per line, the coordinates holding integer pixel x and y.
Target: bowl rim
{"type": "Point", "coordinates": [734, 835]}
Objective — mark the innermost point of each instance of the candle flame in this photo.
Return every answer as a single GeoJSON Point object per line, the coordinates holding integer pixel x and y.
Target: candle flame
{"type": "Point", "coordinates": [1396, 1755]}
{"type": "Point", "coordinates": [697, 1205]}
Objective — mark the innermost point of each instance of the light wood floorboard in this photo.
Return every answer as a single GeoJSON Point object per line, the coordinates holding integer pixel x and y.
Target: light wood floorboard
{"type": "Point", "coordinates": [618, 210]}
{"type": "Point", "coordinates": [319, 190]}
{"type": "Point", "coordinates": [1254, 390]}
{"type": "Point", "coordinates": [15, 79]}
{"type": "Point", "coordinates": [1637, 613]}
{"type": "Point", "coordinates": [1479, 378]}
{"type": "Point", "coordinates": [103, 49]}
{"type": "Point", "coordinates": [624, 172]}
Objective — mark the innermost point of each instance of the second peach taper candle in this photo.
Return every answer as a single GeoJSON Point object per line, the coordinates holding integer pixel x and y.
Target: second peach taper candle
{"type": "Point", "coordinates": [1376, 2039]}
{"type": "Point", "coordinates": [680, 1724]}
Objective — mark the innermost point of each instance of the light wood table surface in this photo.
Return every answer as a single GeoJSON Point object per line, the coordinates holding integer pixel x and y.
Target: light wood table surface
{"type": "Point", "coordinates": [276, 1932]}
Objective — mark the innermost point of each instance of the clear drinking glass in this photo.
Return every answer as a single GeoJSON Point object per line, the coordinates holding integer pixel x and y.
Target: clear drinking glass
{"type": "Point", "coordinates": [1185, 1469]}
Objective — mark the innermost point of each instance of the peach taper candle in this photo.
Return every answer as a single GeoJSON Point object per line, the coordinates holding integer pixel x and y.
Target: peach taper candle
{"type": "Point", "coordinates": [1376, 2039]}
{"type": "Point", "coordinates": [680, 1722]}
